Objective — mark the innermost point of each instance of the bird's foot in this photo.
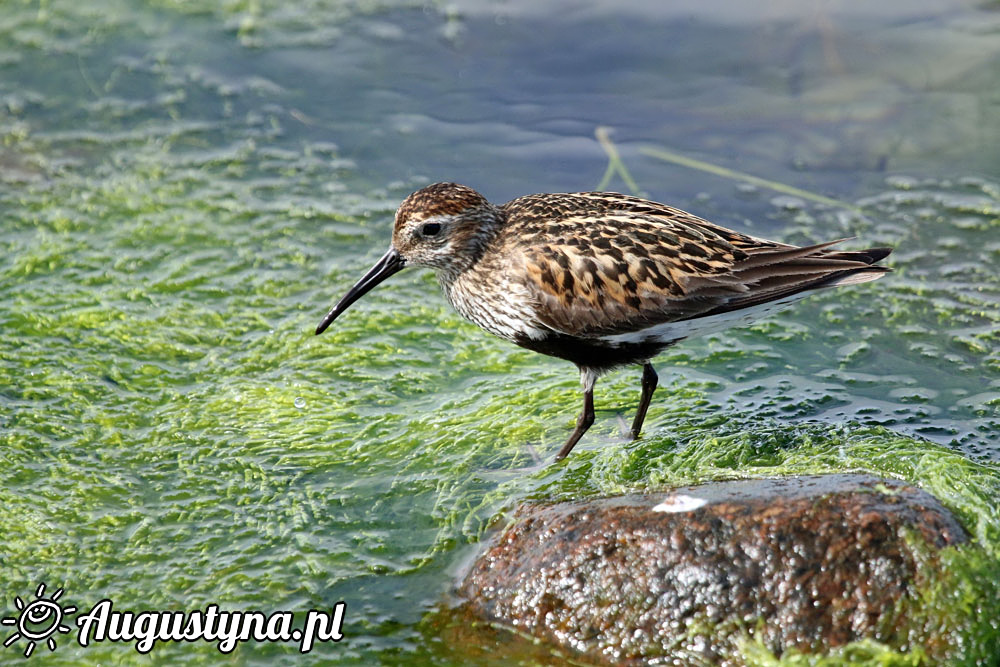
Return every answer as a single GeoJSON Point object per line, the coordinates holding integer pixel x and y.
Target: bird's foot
{"type": "Point", "coordinates": [533, 453]}
{"type": "Point", "coordinates": [624, 429]}
{"type": "Point", "coordinates": [527, 451]}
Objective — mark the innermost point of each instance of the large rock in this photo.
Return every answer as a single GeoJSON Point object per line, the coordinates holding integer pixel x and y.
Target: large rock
{"type": "Point", "coordinates": [808, 562]}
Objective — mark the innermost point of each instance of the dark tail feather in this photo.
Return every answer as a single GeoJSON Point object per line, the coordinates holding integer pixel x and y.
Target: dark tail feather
{"type": "Point", "coordinates": [869, 256]}
{"type": "Point", "coordinates": [793, 273]}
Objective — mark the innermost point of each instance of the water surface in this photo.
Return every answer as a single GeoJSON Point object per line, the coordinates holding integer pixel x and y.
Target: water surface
{"type": "Point", "coordinates": [185, 189]}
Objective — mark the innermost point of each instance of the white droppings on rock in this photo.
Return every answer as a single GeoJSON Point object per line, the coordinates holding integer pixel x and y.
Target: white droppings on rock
{"type": "Point", "coordinates": [680, 503]}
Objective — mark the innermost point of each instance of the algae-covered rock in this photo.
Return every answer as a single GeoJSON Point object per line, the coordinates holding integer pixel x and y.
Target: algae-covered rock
{"type": "Point", "coordinates": [803, 563]}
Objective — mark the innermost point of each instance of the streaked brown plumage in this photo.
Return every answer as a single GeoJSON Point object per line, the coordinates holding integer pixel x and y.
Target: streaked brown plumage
{"type": "Point", "coordinates": [599, 278]}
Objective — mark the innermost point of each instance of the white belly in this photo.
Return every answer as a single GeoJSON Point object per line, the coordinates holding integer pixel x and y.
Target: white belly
{"type": "Point", "coordinates": [671, 331]}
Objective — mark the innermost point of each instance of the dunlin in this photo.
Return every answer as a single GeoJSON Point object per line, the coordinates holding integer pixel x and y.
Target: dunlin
{"type": "Point", "coordinates": [599, 278]}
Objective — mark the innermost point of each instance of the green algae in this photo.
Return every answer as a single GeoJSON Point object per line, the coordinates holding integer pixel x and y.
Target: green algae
{"type": "Point", "coordinates": [197, 424]}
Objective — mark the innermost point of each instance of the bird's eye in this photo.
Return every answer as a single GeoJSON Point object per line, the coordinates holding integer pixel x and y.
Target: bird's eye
{"type": "Point", "coordinates": [431, 229]}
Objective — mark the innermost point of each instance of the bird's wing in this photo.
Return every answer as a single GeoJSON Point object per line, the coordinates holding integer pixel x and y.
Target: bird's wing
{"type": "Point", "coordinates": [600, 264]}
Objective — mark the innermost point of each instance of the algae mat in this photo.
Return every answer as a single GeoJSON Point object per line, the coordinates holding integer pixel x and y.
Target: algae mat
{"type": "Point", "coordinates": [184, 190]}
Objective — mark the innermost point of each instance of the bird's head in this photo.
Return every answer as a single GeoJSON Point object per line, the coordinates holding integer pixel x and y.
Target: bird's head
{"type": "Point", "coordinates": [444, 226]}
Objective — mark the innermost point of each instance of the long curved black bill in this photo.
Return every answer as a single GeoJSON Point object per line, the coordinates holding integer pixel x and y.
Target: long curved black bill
{"type": "Point", "coordinates": [390, 263]}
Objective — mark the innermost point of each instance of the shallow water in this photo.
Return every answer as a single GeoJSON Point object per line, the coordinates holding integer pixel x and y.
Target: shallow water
{"type": "Point", "coordinates": [185, 190]}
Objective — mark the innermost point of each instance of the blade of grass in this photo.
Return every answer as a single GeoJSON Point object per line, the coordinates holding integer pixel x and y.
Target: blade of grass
{"type": "Point", "coordinates": [615, 164]}
{"type": "Point", "coordinates": [692, 163]}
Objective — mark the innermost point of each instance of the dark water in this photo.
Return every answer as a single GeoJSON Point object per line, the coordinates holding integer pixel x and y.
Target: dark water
{"type": "Point", "coordinates": [184, 191]}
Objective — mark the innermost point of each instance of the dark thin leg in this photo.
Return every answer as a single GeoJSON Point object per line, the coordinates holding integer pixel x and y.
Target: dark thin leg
{"type": "Point", "coordinates": [648, 387]}
{"type": "Point", "coordinates": [583, 422]}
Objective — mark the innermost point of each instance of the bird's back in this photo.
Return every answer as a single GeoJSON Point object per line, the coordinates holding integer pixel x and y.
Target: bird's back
{"type": "Point", "coordinates": [606, 265]}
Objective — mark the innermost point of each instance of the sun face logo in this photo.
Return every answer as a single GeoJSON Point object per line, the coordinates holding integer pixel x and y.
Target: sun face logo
{"type": "Point", "coordinates": [38, 621]}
